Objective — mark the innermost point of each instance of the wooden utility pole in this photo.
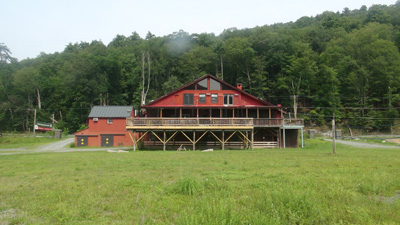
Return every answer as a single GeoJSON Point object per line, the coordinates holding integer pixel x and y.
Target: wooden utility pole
{"type": "Point", "coordinates": [334, 133]}
{"type": "Point", "coordinates": [295, 106]}
{"type": "Point", "coordinates": [34, 122]}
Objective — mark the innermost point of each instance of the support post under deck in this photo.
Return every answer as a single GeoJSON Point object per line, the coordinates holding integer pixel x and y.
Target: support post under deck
{"type": "Point", "coordinates": [284, 138]}
{"type": "Point", "coordinates": [252, 138]}
{"type": "Point", "coordinates": [194, 140]}
{"type": "Point", "coordinates": [164, 144]}
{"type": "Point", "coordinates": [302, 138]}
{"type": "Point", "coordinates": [223, 140]}
{"type": "Point", "coordinates": [134, 140]}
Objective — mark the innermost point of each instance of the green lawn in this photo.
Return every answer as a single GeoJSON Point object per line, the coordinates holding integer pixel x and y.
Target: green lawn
{"type": "Point", "coordinates": [26, 142]}
{"type": "Point", "coordinates": [291, 186]}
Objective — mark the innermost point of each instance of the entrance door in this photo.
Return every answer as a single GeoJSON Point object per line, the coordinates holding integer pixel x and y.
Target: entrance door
{"type": "Point", "coordinates": [81, 141]}
{"type": "Point", "coordinates": [107, 140]}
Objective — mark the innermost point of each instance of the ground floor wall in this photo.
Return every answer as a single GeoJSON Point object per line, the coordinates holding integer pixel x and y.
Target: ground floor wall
{"type": "Point", "coordinates": [218, 139]}
{"type": "Point", "coordinates": [103, 140]}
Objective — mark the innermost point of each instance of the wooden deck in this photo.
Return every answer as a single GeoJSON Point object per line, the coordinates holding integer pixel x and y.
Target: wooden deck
{"type": "Point", "coordinates": [208, 123]}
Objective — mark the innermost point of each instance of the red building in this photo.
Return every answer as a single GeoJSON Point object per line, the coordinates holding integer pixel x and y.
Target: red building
{"type": "Point", "coordinates": [107, 127]}
{"type": "Point", "coordinates": [210, 112]}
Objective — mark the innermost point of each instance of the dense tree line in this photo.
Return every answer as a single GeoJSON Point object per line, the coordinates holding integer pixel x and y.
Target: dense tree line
{"type": "Point", "coordinates": [347, 62]}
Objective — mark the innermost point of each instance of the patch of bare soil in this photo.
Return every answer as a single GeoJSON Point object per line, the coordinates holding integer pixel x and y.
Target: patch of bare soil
{"type": "Point", "coordinates": [396, 141]}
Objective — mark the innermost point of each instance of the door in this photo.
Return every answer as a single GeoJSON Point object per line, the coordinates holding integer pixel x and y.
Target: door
{"type": "Point", "coordinates": [81, 141]}
{"type": "Point", "coordinates": [107, 140]}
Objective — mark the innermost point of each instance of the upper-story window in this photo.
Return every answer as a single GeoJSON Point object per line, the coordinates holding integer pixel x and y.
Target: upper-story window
{"type": "Point", "coordinates": [188, 99]}
{"type": "Point", "coordinates": [214, 85]}
{"type": "Point", "coordinates": [214, 98]}
{"type": "Point", "coordinates": [202, 85]}
{"type": "Point", "coordinates": [109, 120]}
{"type": "Point", "coordinates": [202, 98]}
{"type": "Point", "coordinates": [228, 99]}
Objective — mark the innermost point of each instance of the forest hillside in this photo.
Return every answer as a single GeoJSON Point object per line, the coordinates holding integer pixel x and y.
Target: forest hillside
{"type": "Point", "coordinates": [344, 62]}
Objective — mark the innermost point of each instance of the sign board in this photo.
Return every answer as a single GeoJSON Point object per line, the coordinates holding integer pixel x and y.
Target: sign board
{"type": "Point", "coordinates": [43, 126]}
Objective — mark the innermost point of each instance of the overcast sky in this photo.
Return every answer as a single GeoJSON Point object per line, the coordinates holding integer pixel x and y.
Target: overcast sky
{"type": "Point", "coordinates": [30, 27]}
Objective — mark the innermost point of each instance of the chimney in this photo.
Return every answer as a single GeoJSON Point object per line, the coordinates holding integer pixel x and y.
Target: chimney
{"type": "Point", "coordinates": [239, 86]}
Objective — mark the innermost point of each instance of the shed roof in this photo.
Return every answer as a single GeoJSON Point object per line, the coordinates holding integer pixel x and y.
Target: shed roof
{"type": "Point", "coordinates": [111, 111]}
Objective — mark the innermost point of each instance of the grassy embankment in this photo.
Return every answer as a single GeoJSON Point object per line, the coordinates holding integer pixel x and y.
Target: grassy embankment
{"type": "Point", "coordinates": [291, 186]}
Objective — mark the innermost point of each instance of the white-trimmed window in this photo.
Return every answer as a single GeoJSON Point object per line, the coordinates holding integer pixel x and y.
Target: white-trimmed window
{"type": "Point", "coordinates": [228, 99]}
{"type": "Point", "coordinates": [109, 120]}
{"type": "Point", "coordinates": [202, 98]}
{"type": "Point", "coordinates": [214, 98]}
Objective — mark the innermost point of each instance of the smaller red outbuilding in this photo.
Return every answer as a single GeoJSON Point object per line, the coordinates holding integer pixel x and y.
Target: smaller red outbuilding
{"type": "Point", "coordinates": [107, 127]}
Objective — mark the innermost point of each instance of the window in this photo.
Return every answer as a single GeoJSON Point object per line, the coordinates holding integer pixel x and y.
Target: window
{"type": "Point", "coordinates": [202, 98]}
{"type": "Point", "coordinates": [109, 120]}
{"type": "Point", "coordinates": [188, 99]}
{"type": "Point", "coordinates": [225, 87]}
{"type": "Point", "coordinates": [190, 87]}
{"type": "Point", "coordinates": [202, 85]}
{"type": "Point", "coordinates": [214, 85]}
{"type": "Point", "coordinates": [228, 99]}
{"type": "Point", "coordinates": [214, 98]}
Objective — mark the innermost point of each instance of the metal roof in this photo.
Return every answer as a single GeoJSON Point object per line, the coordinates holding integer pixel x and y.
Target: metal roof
{"type": "Point", "coordinates": [111, 111]}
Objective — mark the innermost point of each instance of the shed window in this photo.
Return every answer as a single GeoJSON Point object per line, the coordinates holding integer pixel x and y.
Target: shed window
{"type": "Point", "coordinates": [214, 98]}
{"type": "Point", "coordinates": [202, 98]}
{"type": "Point", "coordinates": [202, 85]}
{"type": "Point", "coordinates": [214, 85]}
{"type": "Point", "coordinates": [228, 99]}
{"type": "Point", "coordinates": [188, 99]}
{"type": "Point", "coordinates": [109, 120]}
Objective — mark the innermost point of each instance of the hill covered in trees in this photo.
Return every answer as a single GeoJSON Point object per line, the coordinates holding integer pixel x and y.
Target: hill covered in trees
{"type": "Point", "coordinates": [347, 62]}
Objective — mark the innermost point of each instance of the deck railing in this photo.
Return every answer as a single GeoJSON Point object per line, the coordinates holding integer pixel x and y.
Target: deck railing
{"type": "Point", "coordinates": [143, 122]}
{"type": "Point", "coordinates": [189, 122]}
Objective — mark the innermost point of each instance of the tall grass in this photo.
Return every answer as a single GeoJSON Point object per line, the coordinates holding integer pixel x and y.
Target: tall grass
{"type": "Point", "coordinates": [275, 186]}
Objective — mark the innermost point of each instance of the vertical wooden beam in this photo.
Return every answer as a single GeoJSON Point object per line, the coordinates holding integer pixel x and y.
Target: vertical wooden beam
{"type": "Point", "coordinates": [270, 113]}
{"type": "Point", "coordinates": [197, 111]}
{"type": "Point", "coordinates": [258, 113]}
{"type": "Point", "coordinates": [180, 112]}
{"type": "Point", "coordinates": [223, 140]}
{"type": "Point", "coordinates": [194, 140]}
{"type": "Point", "coordinates": [161, 113]}
{"type": "Point", "coordinates": [302, 138]}
{"type": "Point", "coordinates": [164, 144]}
{"type": "Point", "coordinates": [134, 140]}
{"type": "Point", "coordinates": [247, 113]}
{"type": "Point", "coordinates": [284, 138]}
{"type": "Point", "coordinates": [210, 112]}
{"type": "Point", "coordinates": [279, 137]}
{"type": "Point", "coordinates": [252, 138]}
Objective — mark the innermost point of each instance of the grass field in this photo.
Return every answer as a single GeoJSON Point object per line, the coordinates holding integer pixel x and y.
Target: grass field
{"type": "Point", "coordinates": [291, 186]}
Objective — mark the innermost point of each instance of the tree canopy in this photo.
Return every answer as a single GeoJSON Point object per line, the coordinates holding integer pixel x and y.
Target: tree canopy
{"type": "Point", "coordinates": [347, 62]}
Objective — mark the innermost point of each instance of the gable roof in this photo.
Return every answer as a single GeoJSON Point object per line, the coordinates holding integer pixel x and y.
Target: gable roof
{"type": "Point", "coordinates": [150, 104]}
{"type": "Point", "coordinates": [111, 111]}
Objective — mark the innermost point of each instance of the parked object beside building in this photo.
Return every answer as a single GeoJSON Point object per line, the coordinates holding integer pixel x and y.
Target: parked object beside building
{"type": "Point", "coordinates": [210, 112]}
{"type": "Point", "coordinates": [107, 127]}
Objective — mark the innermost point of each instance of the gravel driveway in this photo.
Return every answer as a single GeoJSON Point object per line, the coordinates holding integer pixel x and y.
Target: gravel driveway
{"type": "Point", "coordinates": [59, 146]}
{"type": "Point", "coordinates": [362, 145]}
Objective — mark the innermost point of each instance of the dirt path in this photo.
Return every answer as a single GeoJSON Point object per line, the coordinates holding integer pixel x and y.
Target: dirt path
{"type": "Point", "coordinates": [362, 145]}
